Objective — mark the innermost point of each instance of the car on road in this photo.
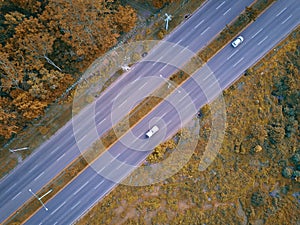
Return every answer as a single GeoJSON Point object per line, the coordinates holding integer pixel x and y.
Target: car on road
{"type": "Point", "coordinates": [236, 42]}
{"type": "Point", "coordinates": [152, 131]}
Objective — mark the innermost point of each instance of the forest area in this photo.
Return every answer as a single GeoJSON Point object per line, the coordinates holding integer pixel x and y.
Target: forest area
{"type": "Point", "coordinates": [44, 48]}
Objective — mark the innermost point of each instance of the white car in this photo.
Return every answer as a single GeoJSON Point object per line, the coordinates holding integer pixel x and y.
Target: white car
{"type": "Point", "coordinates": [239, 40]}
{"type": "Point", "coordinates": [152, 131]}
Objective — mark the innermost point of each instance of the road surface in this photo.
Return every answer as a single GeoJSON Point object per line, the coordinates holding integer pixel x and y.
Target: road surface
{"type": "Point", "coordinates": [227, 66]}
{"type": "Point", "coordinates": [58, 152]}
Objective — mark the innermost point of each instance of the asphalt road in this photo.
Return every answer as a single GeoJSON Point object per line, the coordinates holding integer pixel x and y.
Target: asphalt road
{"type": "Point", "coordinates": [227, 66]}
{"type": "Point", "coordinates": [55, 154]}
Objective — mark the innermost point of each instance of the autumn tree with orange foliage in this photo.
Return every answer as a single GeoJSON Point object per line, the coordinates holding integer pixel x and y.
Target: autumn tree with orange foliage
{"type": "Point", "coordinates": [40, 41]}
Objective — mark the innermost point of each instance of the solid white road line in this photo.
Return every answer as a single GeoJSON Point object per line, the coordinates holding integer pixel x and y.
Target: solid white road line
{"type": "Point", "coordinates": [226, 11]}
{"type": "Point", "coordinates": [205, 30]}
{"type": "Point", "coordinates": [257, 33]}
{"type": "Point", "coordinates": [41, 174]}
{"type": "Point", "coordinates": [234, 65]}
{"type": "Point", "coordinates": [74, 206]}
{"type": "Point", "coordinates": [98, 185]}
{"type": "Point", "coordinates": [219, 6]}
{"type": "Point", "coordinates": [259, 43]}
{"type": "Point", "coordinates": [58, 208]}
{"type": "Point", "coordinates": [16, 195]}
{"type": "Point", "coordinates": [278, 14]}
{"type": "Point", "coordinates": [199, 24]}
{"type": "Point", "coordinates": [232, 54]}
{"type": "Point", "coordinates": [64, 153]}
{"type": "Point", "coordinates": [283, 22]}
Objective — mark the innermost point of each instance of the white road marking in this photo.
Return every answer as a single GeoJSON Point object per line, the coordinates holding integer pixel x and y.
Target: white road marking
{"type": "Point", "coordinates": [278, 14]}
{"type": "Point", "coordinates": [205, 30]}
{"type": "Point", "coordinates": [82, 186]}
{"type": "Point", "coordinates": [199, 24]}
{"type": "Point", "coordinates": [259, 43]}
{"type": "Point", "coordinates": [55, 223]}
{"type": "Point", "coordinates": [102, 121]}
{"type": "Point", "coordinates": [64, 153]}
{"type": "Point", "coordinates": [142, 86]}
{"type": "Point", "coordinates": [11, 187]}
{"type": "Point", "coordinates": [32, 169]}
{"type": "Point", "coordinates": [179, 41]}
{"type": "Point", "coordinates": [163, 115]}
{"type": "Point", "coordinates": [220, 5]}
{"type": "Point", "coordinates": [234, 65]}
{"type": "Point", "coordinates": [232, 54]}
{"type": "Point", "coordinates": [51, 153]}
{"type": "Point", "coordinates": [75, 205]}
{"type": "Point", "coordinates": [122, 103]}
{"type": "Point", "coordinates": [182, 98]}
{"type": "Point", "coordinates": [163, 67]}
{"type": "Point", "coordinates": [58, 208]}
{"type": "Point", "coordinates": [283, 22]}
{"type": "Point", "coordinates": [257, 32]}
{"type": "Point", "coordinates": [226, 11]}
{"type": "Point", "coordinates": [16, 195]}
{"type": "Point", "coordinates": [98, 185]}
{"type": "Point", "coordinates": [41, 174]}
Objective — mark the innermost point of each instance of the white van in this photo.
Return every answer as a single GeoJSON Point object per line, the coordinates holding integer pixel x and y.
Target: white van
{"type": "Point", "coordinates": [152, 131]}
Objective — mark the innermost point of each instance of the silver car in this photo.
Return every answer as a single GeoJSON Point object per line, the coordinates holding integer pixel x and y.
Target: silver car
{"type": "Point", "coordinates": [236, 42]}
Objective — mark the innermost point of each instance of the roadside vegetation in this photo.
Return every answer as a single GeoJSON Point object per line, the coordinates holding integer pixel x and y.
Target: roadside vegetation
{"type": "Point", "coordinates": [254, 179]}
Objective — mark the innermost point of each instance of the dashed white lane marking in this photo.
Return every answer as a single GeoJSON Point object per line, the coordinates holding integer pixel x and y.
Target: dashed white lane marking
{"type": "Point", "coordinates": [182, 98]}
{"type": "Point", "coordinates": [142, 86]}
{"type": "Point", "coordinates": [199, 24]}
{"type": "Point", "coordinates": [41, 174]}
{"type": "Point", "coordinates": [74, 206]}
{"type": "Point", "coordinates": [278, 14]}
{"type": "Point", "coordinates": [229, 57]}
{"type": "Point", "coordinates": [205, 30]}
{"type": "Point", "coordinates": [254, 35]}
{"type": "Point", "coordinates": [32, 169]}
{"type": "Point", "coordinates": [11, 187]}
{"type": "Point", "coordinates": [16, 195]}
{"type": "Point", "coordinates": [234, 65]}
{"type": "Point", "coordinates": [283, 22]}
{"type": "Point", "coordinates": [51, 153]}
{"type": "Point", "coordinates": [98, 185]}
{"type": "Point", "coordinates": [61, 205]}
{"type": "Point", "coordinates": [122, 103]}
{"type": "Point", "coordinates": [219, 6]}
{"type": "Point", "coordinates": [259, 43]}
{"type": "Point", "coordinates": [226, 11]}
{"type": "Point", "coordinates": [163, 115]}
{"type": "Point", "coordinates": [65, 153]}
{"type": "Point", "coordinates": [82, 186]}
{"type": "Point", "coordinates": [163, 68]}
{"type": "Point", "coordinates": [102, 121]}
{"type": "Point", "coordinates": [56, 223]}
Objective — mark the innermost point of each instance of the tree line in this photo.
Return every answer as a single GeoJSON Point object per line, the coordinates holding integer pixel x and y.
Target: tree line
{"type": "Point", "coordinates": [46, 45]}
